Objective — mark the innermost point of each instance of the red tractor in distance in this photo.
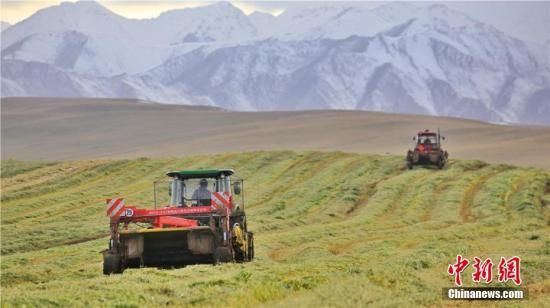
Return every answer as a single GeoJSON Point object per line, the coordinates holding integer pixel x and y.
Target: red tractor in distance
{"type": "Point", "coordinates": [427, 150]}
{"type": "Point", "coordinates": [203, 222]}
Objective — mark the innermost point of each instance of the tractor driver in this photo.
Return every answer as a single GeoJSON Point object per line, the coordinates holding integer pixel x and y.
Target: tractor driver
{"type": "Point", "coordinates": [202, 196]}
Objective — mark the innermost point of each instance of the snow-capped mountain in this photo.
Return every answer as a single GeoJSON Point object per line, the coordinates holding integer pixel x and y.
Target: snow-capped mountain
{"type": "Point", "coordinates": [394, 58]}
{"type": "Point", "coordinates": [372, 73]}
{"type": "Point", "coordinates": [4, 25]}
{"type": "Point", "coordinates": [87, 38]}
{"type": "Point", "coordinates": [325, 21]}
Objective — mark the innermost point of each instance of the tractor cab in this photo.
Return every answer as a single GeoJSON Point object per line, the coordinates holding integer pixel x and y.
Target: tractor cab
{"type": "Point", "coordinates": [427, 141]}
{"type": "Point", "coordinates": [218, 187]}
{"type": "Point", "coordinates": [427, 138]}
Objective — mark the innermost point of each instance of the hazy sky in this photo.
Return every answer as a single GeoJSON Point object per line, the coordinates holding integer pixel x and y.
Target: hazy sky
{"type": "Point", "coordinates": [14, 10]}
{"type": "Point", "coordinates": [527, 20]}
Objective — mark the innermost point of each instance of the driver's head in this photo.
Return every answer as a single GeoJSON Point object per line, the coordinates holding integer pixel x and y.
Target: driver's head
{"type": "Point", "coordinates": [204, 183]}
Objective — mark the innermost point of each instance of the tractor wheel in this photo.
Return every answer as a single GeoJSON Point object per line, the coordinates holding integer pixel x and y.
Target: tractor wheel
{"type": "Point", "coordinates": [222, 254]}
{"type": "Point", "coordinates": [409, 165]}
{"type": "Point", "coordinates": [250, 246]}
{"type": "Point", "coordinates": [239, 255]}
{"type": "Point", "coordinates": [441, 162]}
{"type": "Point", "coordinates": [112, 264]}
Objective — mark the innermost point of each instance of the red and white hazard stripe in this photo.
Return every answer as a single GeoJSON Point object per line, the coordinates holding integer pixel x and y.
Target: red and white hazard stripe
{"type": "Point", "coordinates": [221, 200]}
{"type": "Point", "coordinates": [115, 207]}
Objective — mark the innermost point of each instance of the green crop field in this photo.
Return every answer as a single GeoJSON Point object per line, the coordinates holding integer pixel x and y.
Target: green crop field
{"type": "Point", "coordinates": [331, 229]}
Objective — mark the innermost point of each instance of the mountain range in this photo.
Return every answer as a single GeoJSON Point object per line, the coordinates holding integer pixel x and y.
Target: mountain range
{"type": "Point", "coordinates": [394, 58]}
{"type": "Point", "coordinates": [4, 25]}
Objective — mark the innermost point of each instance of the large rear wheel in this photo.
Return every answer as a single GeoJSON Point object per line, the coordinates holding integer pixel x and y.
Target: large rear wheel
{"type": "Point", "coordinates": [441, 163]}
{"type": "Point", "coordinates": [112, 264]}
{"type": "Point", "coordinates": [222, 254]}
{"type": "Point", "coordinates": [250, 246]}
{"type": "Point", "coordinates": [239, 255]}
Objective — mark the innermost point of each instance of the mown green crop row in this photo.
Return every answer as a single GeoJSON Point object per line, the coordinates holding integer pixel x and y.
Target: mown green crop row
{"type": "Point", "coordinates": [331, 229]}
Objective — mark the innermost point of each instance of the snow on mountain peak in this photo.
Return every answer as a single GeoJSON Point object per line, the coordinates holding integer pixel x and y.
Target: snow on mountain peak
{"type": "Point", "coordinates": [261, 14]}
{"type": "Point", "coordinates": [396, 57]}
{"type": "Point", "coordinates": [224, 5]}
{"type": "Point", "coordinates": [4, 25]}
{"type": "Point", "coordinates": [335, 21]}
{"type": "Point", "coordinates": [82, 16]}
{"type": "Point", "coordinates": [221, 21]}
{"type": "Point", "coordinates": [72, 11]}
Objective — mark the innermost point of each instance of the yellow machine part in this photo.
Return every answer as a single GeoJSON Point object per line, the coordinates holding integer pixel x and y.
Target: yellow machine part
{"type": "Point", "coordinates": [240, 237]}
